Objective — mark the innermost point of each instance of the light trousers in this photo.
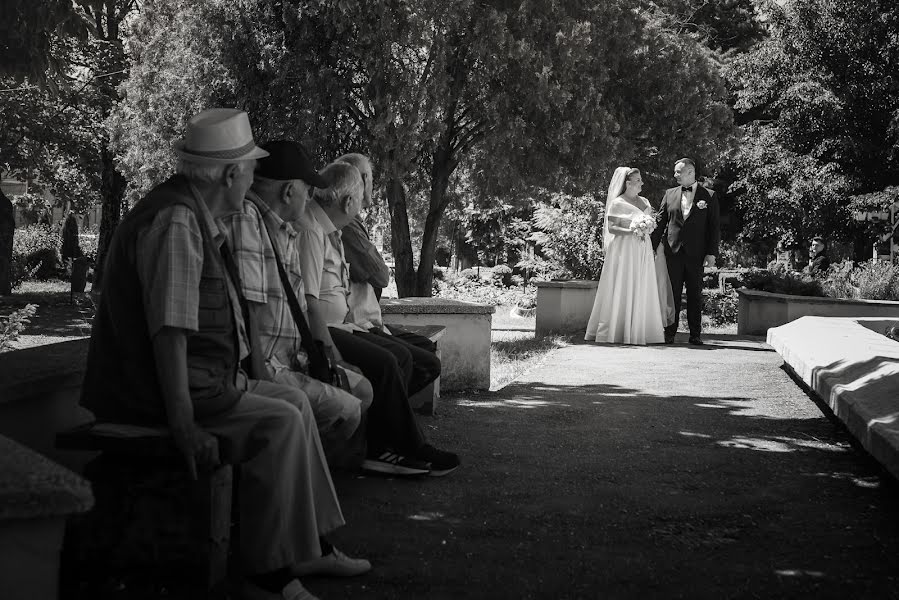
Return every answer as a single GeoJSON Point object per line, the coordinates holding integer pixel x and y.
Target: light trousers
{"type": "Point", "coordinates": [287, 499]}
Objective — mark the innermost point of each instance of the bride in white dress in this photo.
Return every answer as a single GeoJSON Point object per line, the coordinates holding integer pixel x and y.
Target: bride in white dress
{"type": "Point", "coordinates": [634, 300]}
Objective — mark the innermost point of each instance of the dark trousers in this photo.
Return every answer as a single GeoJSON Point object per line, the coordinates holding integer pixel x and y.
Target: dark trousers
{"type": "Point", "coordinates": [686, 271]}
{"type": "Point", "coordinates": [425, 364]}
{"type": "Point", "coordinates": [389, 366]}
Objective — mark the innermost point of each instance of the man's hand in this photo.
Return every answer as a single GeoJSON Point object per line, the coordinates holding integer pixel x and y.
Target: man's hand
{"type": "Point", "coordinates": [199, 448]}
{"type": "Point", "coordinates": [709, 261]}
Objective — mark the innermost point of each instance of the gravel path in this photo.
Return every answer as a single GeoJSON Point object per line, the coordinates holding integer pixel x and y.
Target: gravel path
{"type": "Point", "coordinates": [625, 472]}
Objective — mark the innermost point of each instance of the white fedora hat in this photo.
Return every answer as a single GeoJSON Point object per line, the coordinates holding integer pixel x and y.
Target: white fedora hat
{"type": "Point", "coordinates": [219, 135]}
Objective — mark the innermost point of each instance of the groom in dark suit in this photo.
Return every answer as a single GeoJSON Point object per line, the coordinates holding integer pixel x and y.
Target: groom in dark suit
{"type": "Point", "coordinates": [689, 228]}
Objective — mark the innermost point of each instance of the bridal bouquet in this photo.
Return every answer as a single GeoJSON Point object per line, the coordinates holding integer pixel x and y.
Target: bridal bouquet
{"type": "Point", "coordinates": [643, 226]}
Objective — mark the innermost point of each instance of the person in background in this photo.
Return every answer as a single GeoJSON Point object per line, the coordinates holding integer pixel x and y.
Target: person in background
{"type": "Point", "coordinates": [818, 261]}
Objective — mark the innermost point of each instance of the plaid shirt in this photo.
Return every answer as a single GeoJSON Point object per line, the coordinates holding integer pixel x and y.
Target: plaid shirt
{"type": "Point", "coordinates": [252, 232]}
{"type": "Point", "coordinates": [169, 264]}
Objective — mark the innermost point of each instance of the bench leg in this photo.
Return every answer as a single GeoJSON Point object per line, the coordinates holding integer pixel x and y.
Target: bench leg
{"type": "Point", "coordinates": [151, 526]}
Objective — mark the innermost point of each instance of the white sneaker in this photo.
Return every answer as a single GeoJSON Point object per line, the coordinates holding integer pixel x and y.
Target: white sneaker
{"type": "Point", "coordinates": [292, 591]}
{"type": "Point", "coordinates": [335, 564]}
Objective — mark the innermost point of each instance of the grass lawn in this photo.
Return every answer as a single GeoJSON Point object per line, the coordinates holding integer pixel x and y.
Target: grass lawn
{"type": "Point", "coordinates": [514, 349]}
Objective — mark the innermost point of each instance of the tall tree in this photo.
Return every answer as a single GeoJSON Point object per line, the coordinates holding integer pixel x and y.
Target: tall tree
{"type": "Point", "coordinates": [821, 102]}
{"type": "Point", "coordinates": [517, 93]}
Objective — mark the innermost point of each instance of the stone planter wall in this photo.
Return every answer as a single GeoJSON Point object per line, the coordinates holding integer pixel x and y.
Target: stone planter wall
{"type": "Point", "coordinates": [464, 348]}
{"type": "Point", "coordinates": [759, 311]}
{"type": "Point", "coordinates": [564, 306]}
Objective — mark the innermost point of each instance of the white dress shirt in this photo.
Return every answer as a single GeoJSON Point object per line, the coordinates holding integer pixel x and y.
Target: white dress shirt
{"type": "Point", "coordinates": [686, 199]}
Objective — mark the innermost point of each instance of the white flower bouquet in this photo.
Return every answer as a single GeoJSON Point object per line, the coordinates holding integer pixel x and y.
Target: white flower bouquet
{"type": "Point", "coordinates": [643, 226]}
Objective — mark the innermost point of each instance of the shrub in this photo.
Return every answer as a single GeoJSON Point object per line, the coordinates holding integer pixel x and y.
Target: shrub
{"type": "Point", "coordinates": [35, 252]}
{"type": "Point", "coordinates": [14, 325]}
{"type": "Point", "coordinates": [876, 280]}
{"type": "Point", "coordinates": [460, 288]}
{"type": "Point", "coordinates": [721, 307]}
{"type": "Point", "coordinates": [779, 280]}
{"type": "Point", "coordinates": [837, 281]}
{"type": "Point", "coordinates": [470, 274]}
{"type": "Point", "coordinates": [501, 276]}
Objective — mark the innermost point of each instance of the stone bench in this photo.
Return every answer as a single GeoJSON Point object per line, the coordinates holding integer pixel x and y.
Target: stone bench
{"type": "Point", "coordinates": [464, 347]}
{"type": "Point", "coordinates": [854, 369]}
{"type": "Point", "coordinates": [426, 400]}
{"type": "Point", "coordinates": [36, 497]}
{"type": "Point", "coordinates": [151, 524]}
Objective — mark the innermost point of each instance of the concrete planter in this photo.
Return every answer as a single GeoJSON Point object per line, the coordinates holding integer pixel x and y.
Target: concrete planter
{"type": "Point", "coordinates": [759, 311]}
{"type": "Point", "coordinates": [564, 306]}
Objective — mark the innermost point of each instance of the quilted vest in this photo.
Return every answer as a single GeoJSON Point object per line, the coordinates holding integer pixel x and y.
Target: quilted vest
{"type": "Point", "coordinates": [121, 382]}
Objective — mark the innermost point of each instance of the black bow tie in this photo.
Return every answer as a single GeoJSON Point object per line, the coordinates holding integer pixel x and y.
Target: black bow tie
{"type": "Point", "coordinates": [687, 188]}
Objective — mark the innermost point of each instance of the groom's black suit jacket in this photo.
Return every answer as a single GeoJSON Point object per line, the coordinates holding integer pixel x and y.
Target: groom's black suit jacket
{"type": "Point", "coordinates": [698, 234]}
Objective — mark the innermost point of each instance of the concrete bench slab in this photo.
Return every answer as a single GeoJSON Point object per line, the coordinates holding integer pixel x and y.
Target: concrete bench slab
{"type": "Point", "coordinates": [853, 368]}
{"type": "Point", "coordinates": [464, 348]}
{"type": "Point", "coordinates": [36, 497]}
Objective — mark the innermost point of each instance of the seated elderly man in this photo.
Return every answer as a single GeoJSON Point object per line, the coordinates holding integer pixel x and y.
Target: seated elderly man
{"type": "Point", "coordinates": [396, 444]}
{"type": "Point", "coordinates": [368, 275]}
{"type": "Point", "coordinates": [170, 343]}
{"type": "Point", "coordinates": [263, 243]}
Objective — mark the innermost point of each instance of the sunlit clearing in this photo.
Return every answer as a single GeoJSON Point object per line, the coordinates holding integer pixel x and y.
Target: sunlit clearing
{"type": "Point", "coordinates": [869, 483]}
{"type": "Point", "coordinates": [759, 444]}
{"type": "Point", "coordinates": [426, 516]}
{"type": "Point", "coordinates": [509, 403]}
{"type": "Point", "coordinates": [798, 573]}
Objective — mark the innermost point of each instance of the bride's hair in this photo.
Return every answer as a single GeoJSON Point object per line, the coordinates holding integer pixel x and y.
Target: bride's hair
{"type": "Point", "coordinates": [616, 188]}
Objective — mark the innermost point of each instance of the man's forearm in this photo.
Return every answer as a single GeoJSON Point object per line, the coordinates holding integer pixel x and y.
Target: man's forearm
{"type": "Point", "coordinates": [317, 323]}
{"type": "Point", "coordinates": [170, 352]}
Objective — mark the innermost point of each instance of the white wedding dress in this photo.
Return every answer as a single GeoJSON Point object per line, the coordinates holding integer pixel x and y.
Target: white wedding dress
{"type": "Point", "coordinates": [634, 300]}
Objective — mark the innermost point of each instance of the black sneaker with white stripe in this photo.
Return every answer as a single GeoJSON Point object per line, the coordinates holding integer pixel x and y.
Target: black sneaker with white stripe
{"type": "Point", "coordinates": [391, 463]}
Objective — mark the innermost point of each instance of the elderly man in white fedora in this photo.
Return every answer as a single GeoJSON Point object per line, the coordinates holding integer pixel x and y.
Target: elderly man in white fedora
{"type": "Point", "coordinates": [172, 344]}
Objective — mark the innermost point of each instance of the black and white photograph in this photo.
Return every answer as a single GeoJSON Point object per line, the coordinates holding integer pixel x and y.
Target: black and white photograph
{"type": "Point", "coordinates": [449, 299]}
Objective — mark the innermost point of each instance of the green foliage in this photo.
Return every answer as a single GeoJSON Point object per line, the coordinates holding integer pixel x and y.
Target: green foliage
{"type": "Point", "coordinates": [35, 253]}
{"type": "Point", "coordinates": [781, 281]}
{"type": "Point", "coordinates": [501, 276]}
{"type": "Point", "coordinates": [720, 307]}
{"type": "Point", "coordinates": [568, 233]}
{"type": "Point", "coordinates": [14, 324]}
{"type": "Point", "coordinates": [876, 280]}
{"type": "Point", "coordinates": [463, 288]}
{"type": "Point", "coordinates": [434, 92]}
{"type": "Point", "coordinates": [820, 98]}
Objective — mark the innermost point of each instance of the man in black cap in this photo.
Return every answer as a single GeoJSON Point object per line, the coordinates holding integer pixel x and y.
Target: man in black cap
{"type": "Point", "coordinates": [264, 247]}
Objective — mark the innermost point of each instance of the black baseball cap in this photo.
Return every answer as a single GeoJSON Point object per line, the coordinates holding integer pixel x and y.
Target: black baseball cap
{"type": "Point", "coordinates": [289, 160]}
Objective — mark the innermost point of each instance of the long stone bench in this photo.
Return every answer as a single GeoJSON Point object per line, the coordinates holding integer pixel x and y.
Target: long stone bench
{"type": "Point", "coordinates": [464, 347]}
{"type": "Point", "coordinates": [853, 368]}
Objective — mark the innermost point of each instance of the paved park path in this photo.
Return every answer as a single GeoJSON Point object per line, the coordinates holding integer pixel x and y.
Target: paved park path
{"type": "Point", "coordinates": [626, 472]}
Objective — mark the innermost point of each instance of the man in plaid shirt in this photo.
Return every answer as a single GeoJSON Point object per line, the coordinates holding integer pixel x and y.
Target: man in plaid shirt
{"type": "Point", "coordinates": [282, 184]}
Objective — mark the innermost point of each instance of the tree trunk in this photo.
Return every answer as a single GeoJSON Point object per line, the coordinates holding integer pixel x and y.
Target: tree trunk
{"type": "Point", "coordinates": [113, 190]}
{"type": "Point", "coordinates": [404, 269]}
{"type": "Point", "coordinates": [441, 170]}
{"type": "Point", "coordinates": [7, 232]}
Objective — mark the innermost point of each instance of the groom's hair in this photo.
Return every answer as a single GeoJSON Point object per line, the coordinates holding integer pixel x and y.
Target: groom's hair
{"type": "Point", "coordinates": [688, 162]}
